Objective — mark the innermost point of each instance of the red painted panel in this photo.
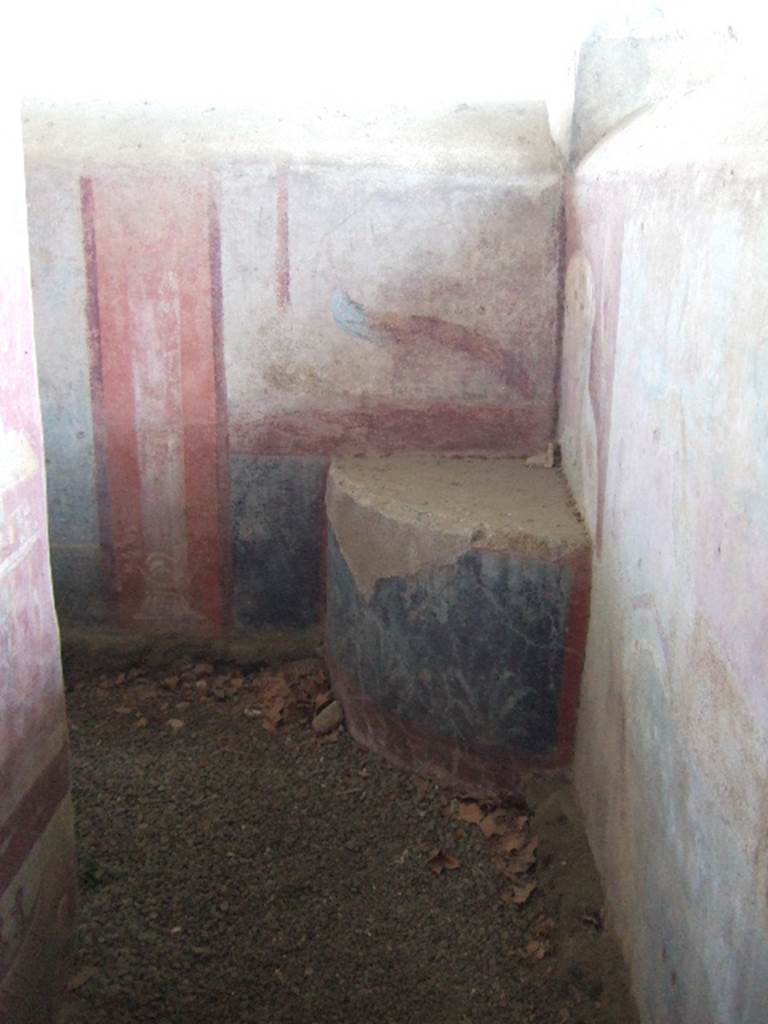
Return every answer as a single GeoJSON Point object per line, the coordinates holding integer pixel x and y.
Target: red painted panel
{"type": "Point", "coordinates": [382, 429]}
{"type": "Point", "coordinates": [155, 326]}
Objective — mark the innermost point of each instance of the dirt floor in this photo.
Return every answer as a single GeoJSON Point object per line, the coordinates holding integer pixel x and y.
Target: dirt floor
{"type": "Point", "coordinates": [236, 866]}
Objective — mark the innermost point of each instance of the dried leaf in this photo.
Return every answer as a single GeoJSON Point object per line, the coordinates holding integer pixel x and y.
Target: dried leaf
{"type": "Point", "coordinates": [521, 862]}
{"type": "Point", "coordinates": [537, 949]}
{"type": "Point", "coordinates": [83, 976]}
{"type": "Point", "coordinates": [275, 696]}
{"type": "Point", "coordinates": [494, 824]}
{"type": "Point", "coordinates": [544, 928]}
{"type": "Point", "coordinates": [422, 787]}
{"type": "Point", "coordinates": [512, 843]}
{"type": "Point", "coordinates": [273, 687]}
{"type": "Point", "coordinates": [470, 811]}
{"type": "Point", "coordinates": [522, 893]}
{"type": "Point", "coordinates": [273, 715]}
{"type": "Point", "coordinates": [440, 862]}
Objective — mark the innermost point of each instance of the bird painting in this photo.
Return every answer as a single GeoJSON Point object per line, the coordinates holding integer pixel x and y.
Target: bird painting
{"type": "Point", "coordinates": [417, 341]}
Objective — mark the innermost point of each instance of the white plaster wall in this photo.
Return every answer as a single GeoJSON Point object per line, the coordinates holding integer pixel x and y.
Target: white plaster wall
{"type": "Point", "coordinates": [463, 250]}
{"type": "Point", "coordinates": [617, 77]}
{"type": "Point", "coordinates": [668, 239]}
{"type": "Point", "coordinates": [638, 53]}
{"type": "Point", "coordinates": [492, 139]}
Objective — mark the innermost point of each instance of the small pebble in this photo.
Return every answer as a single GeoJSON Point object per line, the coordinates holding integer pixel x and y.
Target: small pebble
{"type": "Point", "coordinates": [328, 719]}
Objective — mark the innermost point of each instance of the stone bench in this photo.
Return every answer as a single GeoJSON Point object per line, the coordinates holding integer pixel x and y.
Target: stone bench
{"type": "Point", "coordinates": [457, 605]}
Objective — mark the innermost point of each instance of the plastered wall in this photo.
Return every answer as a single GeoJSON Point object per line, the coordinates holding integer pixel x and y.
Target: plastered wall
{"type": "Point", "coordinates": [225, 301]}
{"type": "Point", "coordinates": [37, 889]}
{"type": "Point", "coordinates": [664, 426]}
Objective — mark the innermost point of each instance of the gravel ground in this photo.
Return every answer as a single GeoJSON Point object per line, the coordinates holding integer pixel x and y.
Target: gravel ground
{"type": "Point", "coordinates": [235, 867]}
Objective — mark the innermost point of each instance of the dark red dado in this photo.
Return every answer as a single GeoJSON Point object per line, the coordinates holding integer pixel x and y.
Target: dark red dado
{"type": "Point", "coordinates": [457, 607]}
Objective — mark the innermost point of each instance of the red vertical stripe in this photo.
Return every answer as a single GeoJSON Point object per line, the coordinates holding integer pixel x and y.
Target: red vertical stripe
{"type": "Point", "coordinates": [575, 649]}
{"type": "Point", "coordinates": [282, 257]}
{"type": "Point", "coordinates": [96, 382]}
{"type": "Point", "coordinates": [114, 419]}
{"type": "Point", "coordinates": [222, 419]}
{"type": "Point", "coordinates": [200, 338]}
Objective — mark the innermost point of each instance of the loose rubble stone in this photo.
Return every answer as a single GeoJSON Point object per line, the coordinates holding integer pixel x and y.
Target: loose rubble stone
{"type": "Point", "coordinates": [328, 719]}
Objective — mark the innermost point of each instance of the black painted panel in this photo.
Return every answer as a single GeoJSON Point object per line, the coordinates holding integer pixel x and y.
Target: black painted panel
{"type": "Point", "coordinates": [473, 650]}
{"type": "Point", "coordinates": [277, 531]}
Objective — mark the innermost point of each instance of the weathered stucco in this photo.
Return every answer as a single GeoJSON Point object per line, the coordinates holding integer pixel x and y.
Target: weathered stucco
{"type": "Point", "coordinates": [457, 595]}
{"type": "Point", "coordinates": [434, 509]}
{"type": "Point", "coordinates": [37, 887]}
{"type": "Point", "coordinates": [641, 53]}
{"type": "Point", "coordinates": [664, 429]}
{"type": "Point", "coordinates": [226, 302]}
{"type": "Point", "coordinates": [217, 287]}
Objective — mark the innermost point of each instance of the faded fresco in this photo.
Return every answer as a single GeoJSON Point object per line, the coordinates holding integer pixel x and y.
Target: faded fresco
{"type": "Point", "coordinates": [226, 312]}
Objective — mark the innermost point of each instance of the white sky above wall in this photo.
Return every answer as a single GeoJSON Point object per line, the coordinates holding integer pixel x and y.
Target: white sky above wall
{"type": "Point", "coordinates": [354, 53]}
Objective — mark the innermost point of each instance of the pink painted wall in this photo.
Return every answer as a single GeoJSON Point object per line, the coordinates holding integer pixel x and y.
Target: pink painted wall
{"type": "Point", "coordinates": [37, 886]}
{"type": "Point", "coordinates": [664, 428]}
{"type": "Point", "coordinates": [221, 307]}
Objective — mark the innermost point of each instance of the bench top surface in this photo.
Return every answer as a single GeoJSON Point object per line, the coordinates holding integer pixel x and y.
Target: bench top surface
{"type": "Point", "coordinates": [494, 502]}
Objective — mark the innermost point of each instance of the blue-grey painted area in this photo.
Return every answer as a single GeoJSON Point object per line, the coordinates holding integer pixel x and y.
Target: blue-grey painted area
{"type": "Point", "coordinates": [78, 584]}
{"type": "Point", "coordinates": [351, 317]}
{"type": "Point", "coordinates": [472, 650]}
{"type": "Point", "coordinates": [61, 341]}
{"type": "Point", "coordinates": [277, 535]}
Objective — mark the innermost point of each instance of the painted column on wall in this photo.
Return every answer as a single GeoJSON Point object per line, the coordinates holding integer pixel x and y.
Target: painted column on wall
{"type": "Point", "coordinates": [37, 884]}
{"type": "Point", "coordinates": [154, 316]}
